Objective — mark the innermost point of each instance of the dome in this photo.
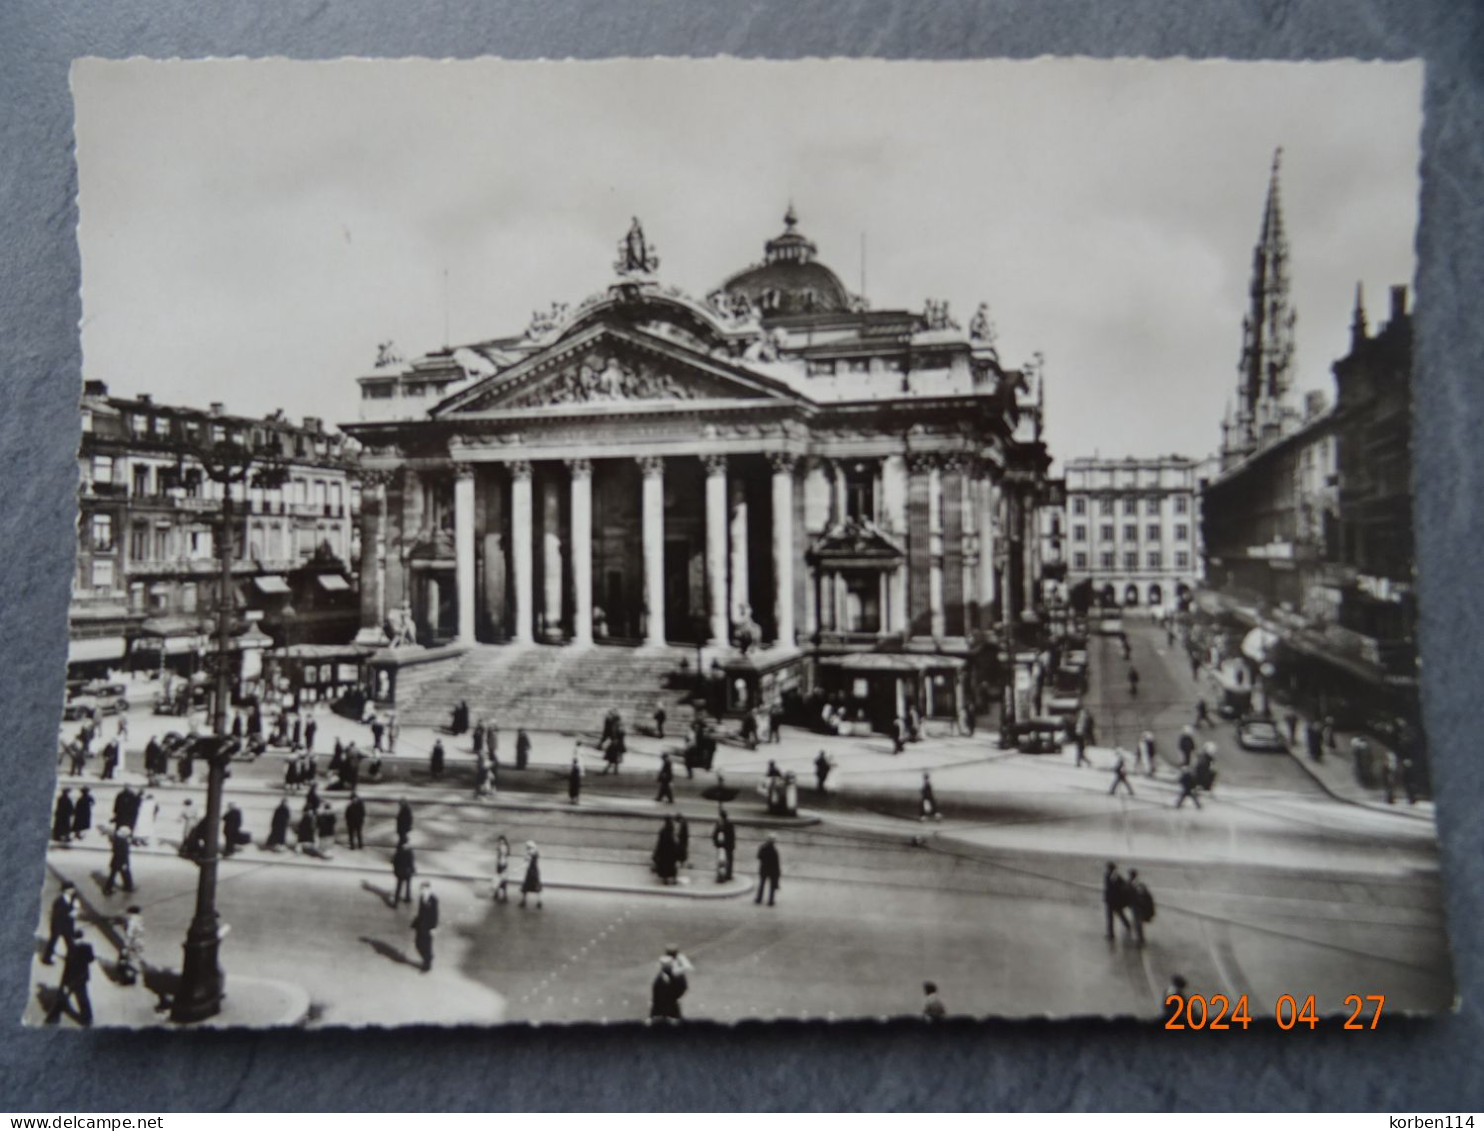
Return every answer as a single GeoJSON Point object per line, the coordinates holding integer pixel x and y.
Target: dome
{"type": "Point", "coordinates": [789, 280]}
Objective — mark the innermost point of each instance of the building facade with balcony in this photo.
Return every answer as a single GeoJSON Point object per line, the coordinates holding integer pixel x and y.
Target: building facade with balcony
{"type": "Point", "coordinates": [1133, 530]}
{"type": "Point", "coordinates": [775, 466]}
{"type": "Point", "coordinates": [147, 581]}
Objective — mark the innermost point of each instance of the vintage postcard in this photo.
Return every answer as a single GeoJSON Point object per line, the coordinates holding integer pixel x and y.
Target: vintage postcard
{"type": "Point", "coordinates": [649, 540]}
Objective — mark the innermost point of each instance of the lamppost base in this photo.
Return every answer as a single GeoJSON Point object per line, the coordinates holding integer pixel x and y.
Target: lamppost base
{"type": "Point", "coordinates": [202, 984]}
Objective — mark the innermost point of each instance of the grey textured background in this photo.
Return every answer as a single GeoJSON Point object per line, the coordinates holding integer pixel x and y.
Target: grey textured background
{"type": "Point", "coordinates": [1417, 1065]}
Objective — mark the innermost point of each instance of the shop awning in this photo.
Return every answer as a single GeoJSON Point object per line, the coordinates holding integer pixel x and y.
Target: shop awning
{"type": "Point", "coordinates": [271, 584]}
{"type": "Point", "coordinates": [171, 626]}
{"type": "Point", "coordinates": [95, 648]}
{"type": "Point", "coordinates": [333, 582]}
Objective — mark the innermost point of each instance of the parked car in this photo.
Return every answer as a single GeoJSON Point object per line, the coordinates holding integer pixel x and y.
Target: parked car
{"type": "Point", "coordinates": [1261, 733]}
{"type": "Point", "coordinates": [1040, 736]}
{"type": "Point", "coordinates": [95, 698]}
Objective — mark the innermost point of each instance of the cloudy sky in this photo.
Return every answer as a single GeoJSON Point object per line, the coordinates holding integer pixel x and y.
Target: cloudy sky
{"type": "Point", "coordinates": [250, 230]}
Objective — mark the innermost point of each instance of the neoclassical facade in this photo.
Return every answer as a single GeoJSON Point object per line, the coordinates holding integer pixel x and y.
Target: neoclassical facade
{"type": "Point", "coordinates": [777, 464]}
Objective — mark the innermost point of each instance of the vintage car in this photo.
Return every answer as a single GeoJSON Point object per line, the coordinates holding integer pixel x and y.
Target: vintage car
{"type": "Point", "coordinates": [95, 698]}
{"type": "Point", "coordinates": [1040, 736]}
{"type": "Point", "coordinates": [1260, 732]}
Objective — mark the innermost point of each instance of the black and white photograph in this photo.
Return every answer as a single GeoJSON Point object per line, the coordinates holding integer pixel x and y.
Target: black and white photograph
{"type": "Point", "coordinates": [656, 540]}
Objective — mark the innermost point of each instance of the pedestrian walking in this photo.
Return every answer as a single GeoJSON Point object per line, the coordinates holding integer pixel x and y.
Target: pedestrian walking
{"type": "Point", "coordinates": [666, 781]}
{"type": "Point", "coordinates": [82, 814]}
{"type": "Point", "coordinates": [927, 806]}
{"type": "Point", "coordinates": [393, 729]}
{"type": "Point", "coordinates": [1144, 753]}
{"type": "Point", "coordinates": [310, 729]}
{"type": "Point", "coordinates": [111, 757]}
{"type": "Point", "coordinates": [1313, 741]}
{"type": "Point", "coordinates": [278, 827]}
{"type": "Point", "coordinates": [1120, 777]}
{"type": "Point", "coordinates": [131, 946]}
{"type": "Point", "coordinates": [659, 721]}
{"type": "Point", "coordinates": [355, 822]}
{"type": "Point", "coordinates": [404, 819]}
{"type": "Point", "coordinates": [186, 819]}
{"type": "Point", "coordinates": [749, 730]}
{"type": "Point", "coordinates": [62, 924]}
{"type": "Point", "coordinates": [1177, 988]}
{"type": "Point", "coordinates": [1187, 789]}
{"type": "Point", "coordinates": [307, 832]}
{"type": "Point", "coordinates": [501, 882]}
{"type": "Point", "coordinates": [1115, 898]}
{"type": "Point", "coordinates": [378, 732]}
{"type": "Point", "coordinates": [146, 819]}
{"type": "Point", "coordinates": [669, 986]}
{"type": "Point", "coordinates": [933, 1008]}
{"type": "Point", "coordinates": [1141, 903]}
{"type": "Point", "coordinates": [324, 827]}
{"type": "Point", "coordinates": [682, 841]}
{"type": "Point", "coordinates": [404, 867]}
{"type": "Point", "coordinates": [1203, 715]}
{"type": "Point", "coordinates": [775, 722]}
{"type": "Point", "coordinates": [231, 829]}
{"type": "Point", "coordinates": [822, 768]}
{"type": "Point", "coordinates": [522, 749]}
{"type": "Point", "coordinates": [425, 923]}
{"type": "Point", "coordinates": [1081, 737]}
{"type": "Point", "coordinates": [531, 884]}
{"type": "Point", "coordinates": [74, 984]}
{"type": "Point", "coordinates": [1186, 745]}
{"type": "Point", "coordinates": [62, 817]}
{"type": "Point", "coordinates": [574, 780]}
{"type": "Point", "coordinates": [898, 735]}
{"type": "Point", "coordinates": [435, 760]}
{"type": "Point", "coordinates": [1133, 682]}
{"type": "Point", "coordinates": [1329, 732]}
{"type": "Point", "coordinates": [665, 858]}
{"type": "Point", "coordinates": [118, 862]}
{"type": "Point", "coordinates": [724, 838]}
{"type": "Point", "coordinates": [1290, 723]}
{"type": "Point", "coordinates": [478, 739]}
{"type": "Point", "coordinates": [769, 870]}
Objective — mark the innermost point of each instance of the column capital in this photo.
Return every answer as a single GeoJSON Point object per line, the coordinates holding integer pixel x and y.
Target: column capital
{"type": "Point", "coordinates": [783, 462]}
{"type": "Point", "coordinates": [919, 462]}
{"type": "Point", "coordinates": [463, 469]}
{"type": "Point", "coordinates": [519, 468]}
{"type": "Point", "coordinates": [715, 464]}
{"type": "Point", "coordinates": [580, 467]}
{"type": "Point", "coordinates": [954, 461]}
{"type": "Point", "coordinates": [651, 465]}
{"type": "Point", "coordinates": [373, 477]}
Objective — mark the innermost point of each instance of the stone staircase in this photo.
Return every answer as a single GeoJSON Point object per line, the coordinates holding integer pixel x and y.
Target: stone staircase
{"type": "Point", "coordinates": [550, 688]}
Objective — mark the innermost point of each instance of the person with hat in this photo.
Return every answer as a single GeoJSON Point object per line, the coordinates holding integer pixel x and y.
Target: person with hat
{"type": "Point", "coordinates": [1144, 753]}
{"type": "Point", "coordinates": [769, 870]}
{"type": "Point", "coordinates": [62, 817]}
{"type": "Point", "coordinates": [63, 922]}
{"type": "Point", "coordinates": [404, 867]}
{"type": "Point", "coordinates": [670, 985]}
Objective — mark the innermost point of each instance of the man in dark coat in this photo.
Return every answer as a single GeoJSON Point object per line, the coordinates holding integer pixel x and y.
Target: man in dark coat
{"type": "Point", "coordinates": [355, 822]}
{"type": "Point", "coordinates": [309, 728]}
{"type": "Point", "coordinates": [769, 870]}
{"type": "Point", "coordinates": [110, 760]}
{"type": "Point", "coordinates": [682, 840]}
{"type": "Point", "coordinates": [775, 723]}
{"type": "Point", "coordinates": [1140, 902]}
{"type": "Point", "coordinates": [822, 769]}
{"type": "Point", "coordinates": [74, 983]}
{"type": "Point", "coordinates": [1115, 898]}
{"type": "Point", "coordinates": [126, 808]}
{"type": "Point", "coordinates": [666, 780]}
{"type": "Point", "coordinates": [665, 857]}
{"type": "Point", "coordinates": [378, 729]}
{"type": "Point", "coordinates": [425, 923]}
{"type": "Point", "coordinates": [62, 817]}
{"type": "Point", "coordinates": [63, 920]}
{"type": "Point", "coordinates": [404, 819]}
{"type": "Point", "coordinates": [278, 831]}
{"type": "Point", "coordinates": [231, 829]}
{"type": "Point", "coordinates": [118, 863]}
{"type": "Point", "coordinates": [669, 987]}
{"type": "Point", "coordinates": [435, 760]}
{"type": "Point", "coordinates": [522, 749]}
{"type": "Point", "coordinates": [82, 814]}
{"type": "Point", "coordinates": [659, 721]}
{"type": "Point", "coordinates": [574, 781]}
{"type": "Point", "coordinates": [404, 867]}
{"type": "Point", "coordinates": [724, 837]}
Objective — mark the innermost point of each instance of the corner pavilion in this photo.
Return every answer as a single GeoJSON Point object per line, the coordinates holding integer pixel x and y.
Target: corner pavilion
{"type": "Point", "coordinates": [770, 478]}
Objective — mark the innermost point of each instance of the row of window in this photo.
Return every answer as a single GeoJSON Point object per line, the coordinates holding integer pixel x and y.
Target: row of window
{"type": "Point", "coordinates": [1154, 559]}
{"type": "Point", "coordinates": [1152, 532]}
{"type": "Point", "coordinates": [147, 543]}
{"type": "Point", "coordinates": [147, 481]}
{"type": "Point", "coordinates": [160, 427]}
{"type": "Point", "coordinates": [1130, 505]}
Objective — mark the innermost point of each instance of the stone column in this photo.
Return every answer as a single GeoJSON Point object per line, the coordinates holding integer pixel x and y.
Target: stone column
{"type": "Point", "coordinates": [970, 520]}
{"type": "Point", "coordinates": [653, 469]}
{"type": "Point", "coordinates": [935, 550]}
{"type": "Point", "coordinates": [716, 548]}
{"type": "Point", "coordinates": [581, 538]}
{"type": "Point", "coordinates": [741, 590]}
{"type": "Point", "coordinates": [894, 519]}
{"type": "Point", "coordinates": [838, 504]}
{"type": "Point", "coordinates": [520, 549]}
{"type": "Point", "coordinates": [551, 555]}
{"type": "Point", "coordinates": [783, 546]}
{"type": "Point", "coordinates": [989, 505]}
{"type": "Point", "coordinates": [373, 558]}
{"type": "Point", "coordinates": [463, 548]}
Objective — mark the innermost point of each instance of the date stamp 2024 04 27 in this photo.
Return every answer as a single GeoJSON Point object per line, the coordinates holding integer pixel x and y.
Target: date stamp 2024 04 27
{"type": "Point", "coordinates": [1219, 1012]}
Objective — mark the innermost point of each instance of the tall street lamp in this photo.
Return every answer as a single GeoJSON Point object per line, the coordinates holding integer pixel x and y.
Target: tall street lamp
{"type": "Point", "coordinates": [202, 982]}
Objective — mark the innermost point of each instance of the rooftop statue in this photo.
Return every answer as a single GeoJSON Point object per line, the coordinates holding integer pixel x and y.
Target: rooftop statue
{"type": "Point", "coordinates": [635, 254]}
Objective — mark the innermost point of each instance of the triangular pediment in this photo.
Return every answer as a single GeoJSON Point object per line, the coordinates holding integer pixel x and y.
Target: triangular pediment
{"type": "Point", "coordinates": [856, 542]}
{"type": "Point", "coordinates": [611, 368]}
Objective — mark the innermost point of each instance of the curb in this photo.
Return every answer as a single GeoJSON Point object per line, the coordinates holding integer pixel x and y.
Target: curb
{"type": "Point", "coordinates": [740, 885]}
{"type": "Point", "coordinates": [1408, 811]}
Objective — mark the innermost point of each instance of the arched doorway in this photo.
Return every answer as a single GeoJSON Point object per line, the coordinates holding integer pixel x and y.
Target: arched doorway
{"type": "Point", "coordinates": [1156, 595]}
{"type": "Point", "coordinates": [1108, 597]}
{"type": "Point", "coordinates": [1131, 595]}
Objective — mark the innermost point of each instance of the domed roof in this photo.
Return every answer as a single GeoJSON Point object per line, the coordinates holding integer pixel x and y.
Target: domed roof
{"type": "Point", "coordinates": [789, 280]}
